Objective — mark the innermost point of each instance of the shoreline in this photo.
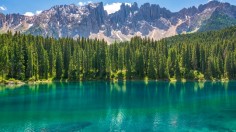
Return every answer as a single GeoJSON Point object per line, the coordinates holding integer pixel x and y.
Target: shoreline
{"type": "Point", "coordinates": [20, 83]}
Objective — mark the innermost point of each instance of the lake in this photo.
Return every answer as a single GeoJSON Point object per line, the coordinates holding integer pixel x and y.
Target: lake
{"type": "Point", "coordinates": [123, 106]}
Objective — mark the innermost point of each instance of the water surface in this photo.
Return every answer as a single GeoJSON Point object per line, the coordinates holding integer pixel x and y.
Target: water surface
{"type": "Point", "coordinates": [123, 106]}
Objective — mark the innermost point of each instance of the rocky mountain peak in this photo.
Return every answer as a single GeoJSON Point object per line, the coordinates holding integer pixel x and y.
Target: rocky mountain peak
{"type": "Point", "coordinates": [96, 5]}
{"type": "Point", "coordinates": [188, 11]}
{"type": "Point", "coordinates": [210, 5]}
{"type": "Point", "coordinates": [134, 6]}
{"type": "Point", "coordinates": [70, 20]}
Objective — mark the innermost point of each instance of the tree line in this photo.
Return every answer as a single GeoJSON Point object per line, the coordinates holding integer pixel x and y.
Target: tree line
{"type": "Point", "coordinates": [208, 55]}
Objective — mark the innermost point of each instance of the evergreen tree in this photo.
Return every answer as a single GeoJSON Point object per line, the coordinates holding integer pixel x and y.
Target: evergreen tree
{"type": "Point", "coordinates": [59, 67]}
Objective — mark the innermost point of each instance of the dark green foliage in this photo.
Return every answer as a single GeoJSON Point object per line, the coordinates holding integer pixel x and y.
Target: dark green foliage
{"type": "Point", "coordinates": [209, 55]}
{"type": "Point", "coordinates": [59, 66]}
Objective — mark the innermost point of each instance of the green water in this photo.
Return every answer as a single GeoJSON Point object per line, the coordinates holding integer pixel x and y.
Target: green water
{"type": "Point", "coordinates": [124, 106]}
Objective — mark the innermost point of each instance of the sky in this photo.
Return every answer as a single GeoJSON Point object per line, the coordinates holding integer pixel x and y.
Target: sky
{"type": "Point", "coordinates": [32, 7]}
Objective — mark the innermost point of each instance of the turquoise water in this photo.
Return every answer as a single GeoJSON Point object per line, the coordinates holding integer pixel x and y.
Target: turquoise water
{"type": "Point", "coordinates": [123, 106]}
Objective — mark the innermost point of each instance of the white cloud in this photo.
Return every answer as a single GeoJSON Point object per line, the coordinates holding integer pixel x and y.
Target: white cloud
{"type": "Point", "coordinates": [114, 7]}
{"type": "Point", "coordinates": [38, 12]}
{"type": "Point", "coordinates": [129, 4]}
{"type": "Point", "coordinates": [3, 8]}
{"type": "Point", "coordinates": [84, 3]}
{"type": "Point", "coordinates": [29, 14]}
{"type": "Point", "coordinates": [81, 3]}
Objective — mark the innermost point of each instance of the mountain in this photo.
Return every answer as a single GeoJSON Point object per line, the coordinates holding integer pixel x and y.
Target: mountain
{"type": "Point", "coordinates": [148, 20]}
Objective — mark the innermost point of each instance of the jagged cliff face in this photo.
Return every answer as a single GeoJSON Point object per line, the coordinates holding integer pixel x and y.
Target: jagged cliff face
{"type": "Point", "coordinates": [69, 20]}
{"type": "Point", "coordinates": [148, 20]}
{"type": "Point", "coordinates": [14, 22]}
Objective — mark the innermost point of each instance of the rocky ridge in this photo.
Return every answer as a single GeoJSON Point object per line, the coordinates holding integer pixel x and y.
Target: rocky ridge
{"type": "Point", "coordinates": [92, 21]}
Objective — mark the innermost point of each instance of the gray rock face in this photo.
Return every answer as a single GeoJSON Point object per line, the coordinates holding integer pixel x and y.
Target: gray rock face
{"type": "Point", "coordinates": [14, 22]}
{"type": "Point", "coordinates": [148, 20]}
{"type": "Point", "coordinates": [70, 20]}
{"type": "Point", "coordinates": [2, 19]}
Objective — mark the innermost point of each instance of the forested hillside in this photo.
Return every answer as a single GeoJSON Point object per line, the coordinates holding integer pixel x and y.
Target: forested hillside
{"type": "Point", "coordinates": [216, 22]}
{"type": "Point", "coordinates": [209, 55]}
